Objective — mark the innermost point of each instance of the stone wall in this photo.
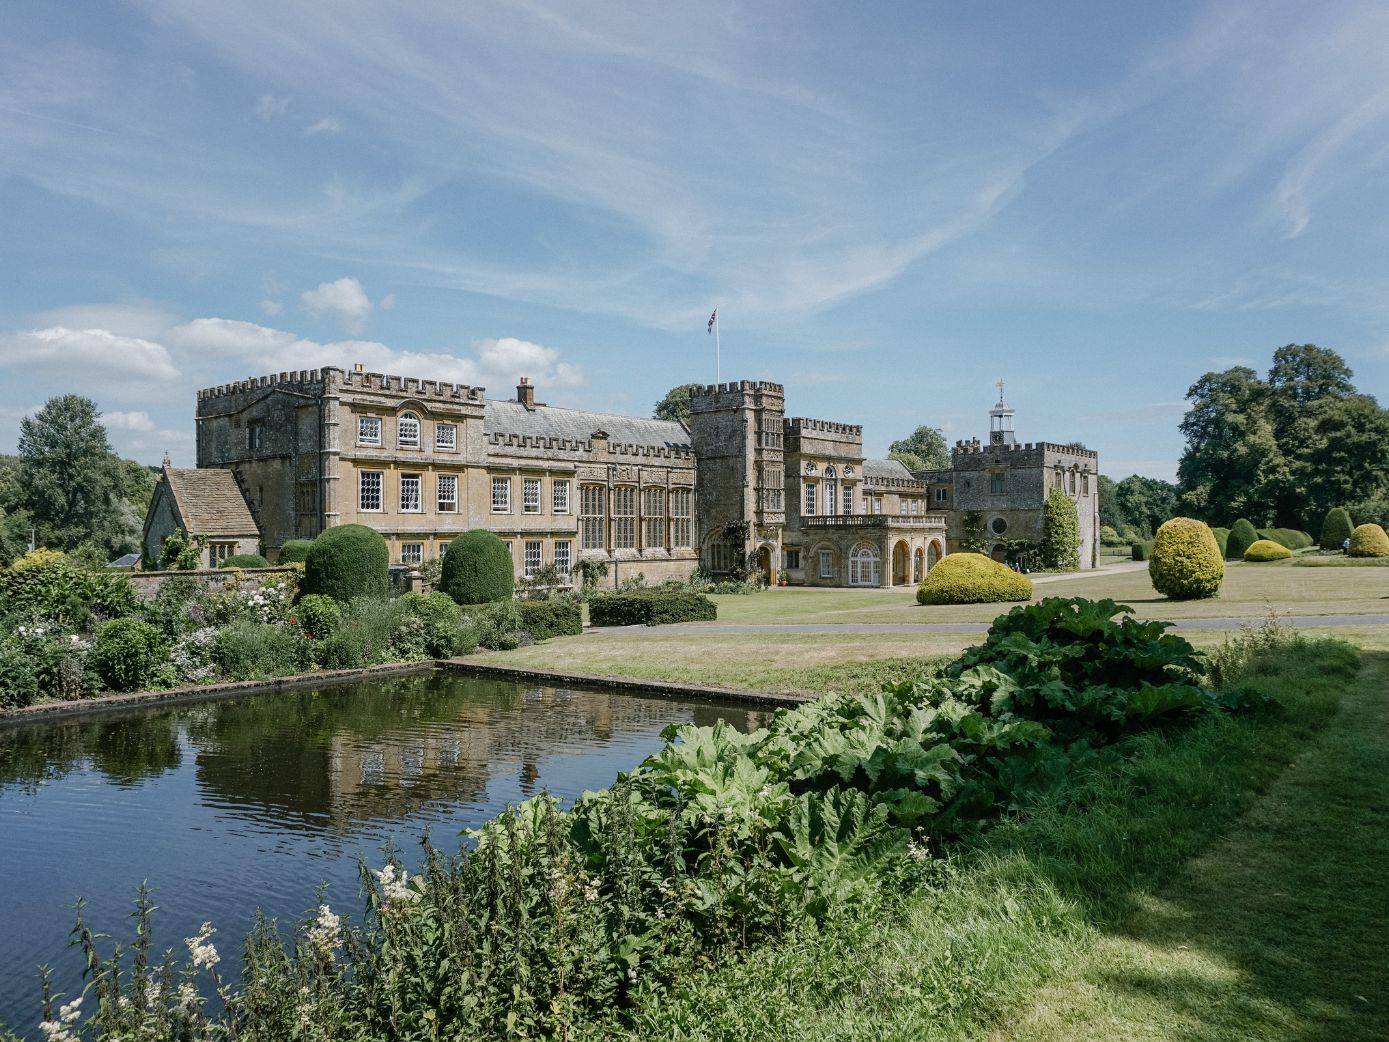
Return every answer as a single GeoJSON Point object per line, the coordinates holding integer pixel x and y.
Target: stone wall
{"type": "Point", "coordinates": [148, 584]}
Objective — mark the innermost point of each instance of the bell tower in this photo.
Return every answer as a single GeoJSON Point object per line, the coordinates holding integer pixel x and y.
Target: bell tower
{"type": "Point", "coordinates": [1001, 422]}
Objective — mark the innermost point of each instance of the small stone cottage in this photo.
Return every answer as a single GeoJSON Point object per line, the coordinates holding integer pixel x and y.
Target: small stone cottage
{"type": "Point", "coordinates": [208, 505]}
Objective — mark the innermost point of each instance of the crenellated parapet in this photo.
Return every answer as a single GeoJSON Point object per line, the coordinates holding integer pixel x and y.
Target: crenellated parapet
{"type": "Point", "coordinates": [1021, 451]}
{"type": "Point", "coordinates": [806, 425]}
{"type": "Point", "coordinates": [304, 381]}
{"type": "Point", "coordinates": [408, 387]}
{"type": "Point", "coordinates": [583, 447]}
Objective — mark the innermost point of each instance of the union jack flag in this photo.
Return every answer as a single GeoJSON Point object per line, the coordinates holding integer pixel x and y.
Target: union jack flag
{"type": "Point", "coordinates": [712, 319]}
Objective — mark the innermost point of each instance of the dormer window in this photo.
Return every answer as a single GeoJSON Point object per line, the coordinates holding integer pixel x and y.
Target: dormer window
{"type": "Point", "coordinates": [408, 431]}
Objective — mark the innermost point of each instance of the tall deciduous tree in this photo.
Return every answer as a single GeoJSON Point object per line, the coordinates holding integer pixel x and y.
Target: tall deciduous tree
{"type": "Point", "coordinates": [675, 406]}
{"type": "Point", "coordinates": [923, 449]}
{"type": "Point", "coordinates": [72, 484]}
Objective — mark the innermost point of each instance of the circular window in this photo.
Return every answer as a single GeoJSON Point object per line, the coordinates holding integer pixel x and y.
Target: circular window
{"type": "Point", "coordinates": [998, 526]}
{"type": "Point", "coordinates": [848, 471]}
{"type": "Point", "coordinates": [810, 468]}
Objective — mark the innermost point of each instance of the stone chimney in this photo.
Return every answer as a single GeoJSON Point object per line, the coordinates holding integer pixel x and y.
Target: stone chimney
{"type": "Point", "coordinates": [525, 393]}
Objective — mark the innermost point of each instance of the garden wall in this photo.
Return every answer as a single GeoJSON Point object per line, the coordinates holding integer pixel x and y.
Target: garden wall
{"type": "Point", "coordinates": [148, 584]}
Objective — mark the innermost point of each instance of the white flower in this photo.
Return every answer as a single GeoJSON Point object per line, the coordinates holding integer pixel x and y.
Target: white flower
{"type": "Point", "coordinates": [201, 948]}
{"type": "Point", "coordinates": [394, 885]}
{"type": "Point", "coordinates": [325, 933]}
{"type": "Point", "coordinates": [60, 1030]}
{"type": "Point", "coordinates": [188, 997]}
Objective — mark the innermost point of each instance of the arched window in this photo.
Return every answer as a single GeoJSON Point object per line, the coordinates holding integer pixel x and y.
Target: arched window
{"type": "Point", "coordinates": [408, 431]}
{"type": "Point", "coordinates": [865, 566]}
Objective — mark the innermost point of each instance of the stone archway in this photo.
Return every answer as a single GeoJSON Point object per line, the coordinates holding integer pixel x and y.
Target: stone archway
{"type": "Point", "coordinates": [901, 563]}
{"type": "Point", "coordinates": [932, 554]}
{"type": "Point", "coordinates": [764, 564]}
{"type": "Point", "coordinates": [919, 565]}
{"type": "Point", "coordinates": [865, 566]}
{"type": "Point", "coordinates": [999, 553]}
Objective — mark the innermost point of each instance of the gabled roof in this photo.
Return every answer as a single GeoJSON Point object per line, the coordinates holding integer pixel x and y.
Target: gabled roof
{"type": "Point", "coordinates": [549, 421]}
{"type": "Point", "coordinates": [210, 502]}
{"type": "Point", "coordinates": [885, 468]}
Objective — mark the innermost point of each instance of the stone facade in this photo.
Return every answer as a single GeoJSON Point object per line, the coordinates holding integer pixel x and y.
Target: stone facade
{"type": "Point", "coordinates": [741, 486]}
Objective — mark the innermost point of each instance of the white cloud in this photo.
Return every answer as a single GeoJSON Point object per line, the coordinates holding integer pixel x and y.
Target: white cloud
{"type": "Point", "coordinates": [88, 351]}
{"type": "Point", "coordinates": [271, 307]}
{"type": "Point", "coordinates": [344, 298]}
{"type": "Point", "coordinates": [495, 363]}
{"type": "Point", "coordinates": [269, 107]}
{"type": "Point", "coordinates": [127, 421]}
{"type": "Point", "coordinates": [326, 125]}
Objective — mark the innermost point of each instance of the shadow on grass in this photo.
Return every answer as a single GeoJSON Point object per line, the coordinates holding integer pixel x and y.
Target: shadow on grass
{"type": "Point", "coordinates": [1280, 929]}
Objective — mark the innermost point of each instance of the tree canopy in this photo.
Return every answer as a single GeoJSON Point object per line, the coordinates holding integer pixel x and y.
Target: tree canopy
{"type": "Point", "coordinates": [923, 449]}
{"type": "Point", "coordinates": [675, 405]}
{"type": "Point", "coordinates": [1282, 450]}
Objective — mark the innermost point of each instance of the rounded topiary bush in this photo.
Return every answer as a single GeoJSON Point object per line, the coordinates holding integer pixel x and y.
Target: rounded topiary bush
{"type": "Point", "coordinates": [1242, 536]}
{"type": "Point", "coordinates": [347, 561]}
{"type": "Point", "coordinates": [1222, 540]}
{"type": "Point", "coordinates": [478, 569]}
{"type": "Point", "coordinates": [318, 616]}
{"type": "Point", "coordinates": [1336, 529]}
{"type": "Point", "coordinates": [1185, 563]}
{"type": "Point", "coordinates": [1267, 550]}
{"type": "Point", "coordinates": [1369, 541]}
{"type": "Point", "coordinates": [966, 578]}
{"type": "Point", "coordinates": [244, 561]}
{"type": "Point", "coordinates": [295, 551]}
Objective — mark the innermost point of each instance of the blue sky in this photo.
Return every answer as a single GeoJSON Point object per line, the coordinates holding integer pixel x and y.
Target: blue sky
{"type": "Point", "coordinates": [892, 205]}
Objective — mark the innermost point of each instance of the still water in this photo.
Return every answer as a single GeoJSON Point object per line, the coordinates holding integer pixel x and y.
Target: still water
{"type": "Point", "coordinates": [230, 806]}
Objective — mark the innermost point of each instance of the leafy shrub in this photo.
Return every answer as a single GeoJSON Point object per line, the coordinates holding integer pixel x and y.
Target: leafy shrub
{"type": "Point", "coordinates": [478, 569]}
{"type": "Point", "coordinates": [433, 627]}
{"type": "Point", "coordinates": [1336, 529]}
{"type": "Point", "coordinates": [244, 561]}
{"type": "Point", "coordinates": [317, 616]}
{"type": "Point", "coordinates": [1267, 550]}
{"type": "Point", "coordinates": [1060, 532]}
{"type": "Point", "coordinates": [268, 602]}
{"type": "Point", "coordinates": [1289, 538]}
{"type": "Point", "coordinates": [363, 637]}
{"type": "Point", "coordinates": [130, 655]}
{"type": "Point", "coordinates": [45, 584]}
{"type": "Point", "coordinates": [1110, 537]}
{"type": "Point", "coordinates": [176, 609]}
{"type": "Point", "coordinates": [194, 656]}
{"type": "Point", "coordinates": [1142, 549]}
{"type": "Point", "coordinates": [181, 552]}
{"type": "Point", "coordinates": [19, 675]}
{"type": "Point", "coordinates": [546, 619]}
{"type": "Point", "coordinates": [650, 608]}
{"type": "Point", "coordinates": [1222, 540]}
{"type": "Point", "coordinates": [499, 625]}
{"type": "Point", "coordinates": [294, 551]}
{"type": "Point", "coordinates": [248, 650]}
{"type": "Point", "coordinates": [347, 561]}
{"type": "Point", "coordinates": [1369, 541]}
{"type": "Point", "coordinates": [1242, 537]}
{"type": "Point", "coordinates": [1185, 562]}
{"type": "Point", "coordinates": [966, 578]}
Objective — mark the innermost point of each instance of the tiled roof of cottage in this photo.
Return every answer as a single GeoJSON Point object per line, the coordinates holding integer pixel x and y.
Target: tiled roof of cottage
{"type": "Point", "coordinates": [549, 421]}
{"type": "Point", "coordinates": [210, 501]}
{"type": "Point", "coordinates": [885, 468]}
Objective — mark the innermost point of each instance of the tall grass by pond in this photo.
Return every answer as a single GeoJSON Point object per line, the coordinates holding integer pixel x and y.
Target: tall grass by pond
{"type": "Point", "coordinates": [732, 850]}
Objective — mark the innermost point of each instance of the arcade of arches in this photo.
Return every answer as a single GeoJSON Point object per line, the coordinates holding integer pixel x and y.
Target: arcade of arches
{"type": "Point", "coordinates": [899, 560]}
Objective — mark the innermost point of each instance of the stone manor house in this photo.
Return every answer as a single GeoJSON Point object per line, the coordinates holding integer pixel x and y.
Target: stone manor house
{"type": "Point", "coordinates": [742, 484]}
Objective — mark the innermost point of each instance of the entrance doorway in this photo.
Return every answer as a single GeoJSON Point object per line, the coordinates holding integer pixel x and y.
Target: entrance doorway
{"type": "Point", "coordinates": [865, 566]}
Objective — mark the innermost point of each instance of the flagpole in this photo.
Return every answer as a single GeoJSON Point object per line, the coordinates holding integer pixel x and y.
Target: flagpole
{"type": "Point", "coordinates": [717, 351]}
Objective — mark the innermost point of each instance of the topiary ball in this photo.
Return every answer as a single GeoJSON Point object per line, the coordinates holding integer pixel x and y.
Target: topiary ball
{"type": "Point", "coordinates": [966, 578]}
{"type": "Point", "coordinates": [478, 569]}
{"type": "Point", "coordinates": [1267, 550]}
{"type": "Point", "coordinates": [1336, 529]}
{"type": "Point", "coordinates": [1369, 541]}
{"type": "Point", "coordinates": [244, 561]}
{"type": "Point", "coordinates": [295, 551]}
{"type": "Point", "coordinates": [347, 561]}
{"type": "Point", "coordinates": [1242, 536]}
{"type": "Point", "coordinates": [1185, 563]}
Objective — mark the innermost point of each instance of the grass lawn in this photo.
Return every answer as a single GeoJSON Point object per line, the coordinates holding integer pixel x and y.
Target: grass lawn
{"type": "Point", "coordinates": [1247, 592]}
{"type": "Point", "coordinates": [1225, 884]}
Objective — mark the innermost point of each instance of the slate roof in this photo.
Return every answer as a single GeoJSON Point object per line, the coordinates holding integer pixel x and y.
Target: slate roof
{"type": "Point", "coordinates": [210, 501]}
{"type": "Point", "coordinates": [549, 421]}
{"type": "Point", "coordinates": [885, 468]}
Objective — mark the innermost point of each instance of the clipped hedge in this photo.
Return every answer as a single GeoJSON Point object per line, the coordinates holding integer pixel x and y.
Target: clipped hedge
{"type": "Point", "coordinates": [651, 608]}
{"type": "Point", "coordinates": [966, 578]}
{"type": "Point", "coordinates": [1242, 536]}
{"type": "Point", "coordinates": [1369, 541]}
{"type": "Point", "coordinates": [244, 561]}
{"type": "Point", "coordinates": [1336, 529]}
{"type": "Point", "coordinates": [348, 561]}
{"type": "Point", "coordinates": [1287, 537]}
{"type": "Point", "coordinates": [546, 619]}
{"type": "Point", "coordinates": [1142, 549]}
{"type": "Point", "coordinates": [478, 569]}
{"type": "Point", "coordinates": [1267, 550]}
{"type": "Point", "coordinates": [295, 551]}
{"type": "Point", "coordinates": [1186, 563]}
{"type": "Point", "coordinates": [1222, 540]}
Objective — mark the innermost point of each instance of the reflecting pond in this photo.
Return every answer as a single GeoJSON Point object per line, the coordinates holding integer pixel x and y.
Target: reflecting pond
{"type": "Point", "coordinates": [229, 806]}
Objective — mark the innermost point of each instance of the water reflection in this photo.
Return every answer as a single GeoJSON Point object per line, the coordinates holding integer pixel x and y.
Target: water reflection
{"type": "Point", "coordinates": [232, 805]}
